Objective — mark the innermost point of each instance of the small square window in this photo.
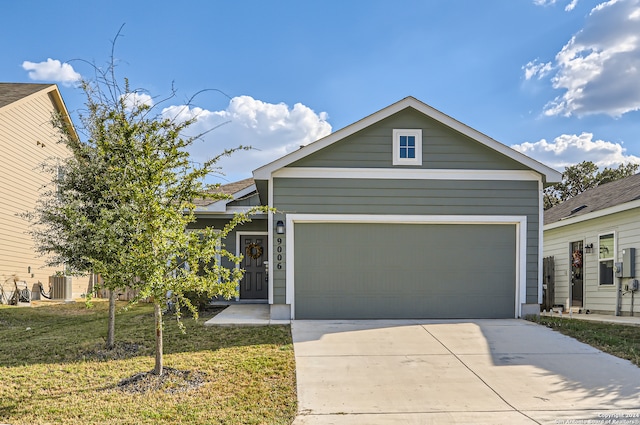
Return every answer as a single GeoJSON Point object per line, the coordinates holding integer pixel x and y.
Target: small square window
{"type": "Point", "coordinates": [407, 147]}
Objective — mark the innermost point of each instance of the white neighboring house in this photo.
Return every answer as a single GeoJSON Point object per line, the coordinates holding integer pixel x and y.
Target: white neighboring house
{"type": "Point", "coordinates": [588, 237]}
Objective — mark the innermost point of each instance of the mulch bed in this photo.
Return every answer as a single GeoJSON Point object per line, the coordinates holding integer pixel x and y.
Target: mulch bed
{"type": "Point", "coordinates": [172, 381]}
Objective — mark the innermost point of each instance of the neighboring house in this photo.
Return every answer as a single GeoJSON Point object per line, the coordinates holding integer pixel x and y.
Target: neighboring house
{"type": "Point", "coordinates": [586, 236]}
{"type": "Point", "coordinates": [27, 139]}
{"type": "Point", "coordinates": [406, 213]}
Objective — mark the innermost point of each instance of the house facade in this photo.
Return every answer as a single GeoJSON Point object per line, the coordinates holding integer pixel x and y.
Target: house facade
{"type": "Point", "coordinates": [27, 139]}
{"type": "Point", "coordinates": [593, 242]}
{"type": "Point", "coordinates": [406, 213]}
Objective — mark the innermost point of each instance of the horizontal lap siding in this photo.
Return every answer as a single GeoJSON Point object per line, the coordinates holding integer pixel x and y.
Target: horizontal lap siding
{"type": "Point", "coordinates": [22, 125]}
{"type": "Point", "coordinates": [556, 244]}
{"type": "Point", "coordinates": [229, 243]}
{"type": "Point", "coordinates": [443, 148]}
{"type": "Point", "coordinates": [414, 197]}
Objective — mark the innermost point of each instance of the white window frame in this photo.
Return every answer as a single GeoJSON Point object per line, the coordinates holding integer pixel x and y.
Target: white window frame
{"type": "Point", "coordinates": [611, 257]}
{"type": "Point", "coordinates": [417, 133]}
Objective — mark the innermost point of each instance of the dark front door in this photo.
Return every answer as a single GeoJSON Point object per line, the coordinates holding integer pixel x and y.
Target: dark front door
{"type": "Point", "coordinates": [254, 284]}
{"type": "Point", "coordinates": [577, 274]}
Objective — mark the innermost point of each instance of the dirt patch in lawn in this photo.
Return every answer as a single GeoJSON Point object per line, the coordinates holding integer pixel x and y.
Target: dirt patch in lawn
{"type": "Point", "coordinates": [171, 381]}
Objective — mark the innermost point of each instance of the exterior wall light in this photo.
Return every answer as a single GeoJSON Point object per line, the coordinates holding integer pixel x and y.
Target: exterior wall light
{"type": "Point", "coordinates": [280, 227]}
{"type": "Point", "coordinates": [588, 248]}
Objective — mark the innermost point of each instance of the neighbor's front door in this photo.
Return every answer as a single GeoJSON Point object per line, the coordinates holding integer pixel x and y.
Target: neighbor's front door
{"type": "Point", "coordinates": [577, 275]}
{"type": "Point", "coordinates": [254, 284]}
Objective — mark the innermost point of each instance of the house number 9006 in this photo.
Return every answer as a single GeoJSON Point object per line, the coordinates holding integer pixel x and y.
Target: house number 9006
{"type": "Point", "coordinates": [279, 250]}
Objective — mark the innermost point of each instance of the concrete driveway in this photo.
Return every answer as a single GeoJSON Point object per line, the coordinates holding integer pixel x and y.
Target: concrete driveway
{"type": "Point", "coordinates": [457, 372]}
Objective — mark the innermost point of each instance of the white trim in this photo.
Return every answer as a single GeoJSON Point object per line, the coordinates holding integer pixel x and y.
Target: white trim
{"type": "Point", "coordinates": [238, 236]}
{"type": "Point", "coordinates": [221, 205]}
{"type": "Point", "coordinates": [270, 231]}
{"type": "Point", "coordinates": [417, 135]}
{"type": "Point", "coordinates": [614, 257]}
{"type": "Point", "coordinates": [594, 214]}
{"type": "Point", "coordinates": [540, 237]}
{"type": "Point", "coordinates": [519, 221]}
{"type": "Point", "coordinates": [406, 174]}
{"type": "Point", "coordinates": [229, 210]}
{"type": "Point", "coordinates": [264, 172]}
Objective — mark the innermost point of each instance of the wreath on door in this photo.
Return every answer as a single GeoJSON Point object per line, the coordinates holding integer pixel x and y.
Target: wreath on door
{"type": "Point", "coordinates": [253, 250]}
{"type": "Point", "coordinates": [577, 258]}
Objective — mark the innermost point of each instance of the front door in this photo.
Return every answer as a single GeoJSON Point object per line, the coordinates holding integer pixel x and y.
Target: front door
{"type": "Point", "coordinates": [255, 283]}
{"type": "Point", "coordinates": [577, 274]}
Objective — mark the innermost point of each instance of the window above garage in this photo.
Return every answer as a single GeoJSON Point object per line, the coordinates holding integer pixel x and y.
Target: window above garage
{"type": "Point", "coordinates": [407, 147]}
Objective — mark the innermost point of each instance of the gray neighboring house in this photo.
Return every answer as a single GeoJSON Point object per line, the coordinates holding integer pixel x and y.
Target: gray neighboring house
{"type": "Point", "coordinates": [406, 213]}
{"type": "Point", "coordinates": [586, 236]}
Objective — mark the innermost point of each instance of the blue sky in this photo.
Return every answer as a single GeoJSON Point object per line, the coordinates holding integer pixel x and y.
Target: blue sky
{"type": "Point", "coordinates": [556, 79]}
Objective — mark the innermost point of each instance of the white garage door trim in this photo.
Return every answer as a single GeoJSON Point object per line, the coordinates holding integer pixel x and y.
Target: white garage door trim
{"type": "Point", "coordinates": [519, 221]}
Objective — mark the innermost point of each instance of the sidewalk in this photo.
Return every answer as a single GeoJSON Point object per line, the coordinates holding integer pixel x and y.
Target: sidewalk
{"type": "Point", "coordinates": [606, 318]}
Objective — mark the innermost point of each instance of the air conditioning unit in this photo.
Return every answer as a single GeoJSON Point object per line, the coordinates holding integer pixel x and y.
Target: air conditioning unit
{"type": "Point", "coordinates": [61, 288]}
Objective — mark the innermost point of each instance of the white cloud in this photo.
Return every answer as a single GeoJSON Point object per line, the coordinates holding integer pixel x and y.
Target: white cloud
{"type": "Point", "coordinates": [599, 68]}
{"type": "Point", "coordinates": [572, 5]}
{"type": "Point", "coordinates": [136, 99]}
{"type": "Point", "coordinates": [570, 149]}
{"type": "Point", "coordinates": [536, 69]}
{"type": "Point", "coordinates": [51, 70]}
{"type": "Point", "coordinates": [272, 130]}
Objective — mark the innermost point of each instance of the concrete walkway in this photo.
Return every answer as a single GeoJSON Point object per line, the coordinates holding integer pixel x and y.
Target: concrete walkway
{"type": "Point", "coordinates": [457, 372]}
{"type": "Point", "coordinates": [245, 315]}
{"type": "Point", "coordinates": [605, 318]}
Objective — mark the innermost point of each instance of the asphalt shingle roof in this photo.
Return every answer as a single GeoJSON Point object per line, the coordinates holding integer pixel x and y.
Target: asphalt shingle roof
{"type": "Point", "coordinates": [12, 92]}
{"type": "Point", "coordinates": [227, 189]}
{"type": "Point", "coordinates": [604, 196]}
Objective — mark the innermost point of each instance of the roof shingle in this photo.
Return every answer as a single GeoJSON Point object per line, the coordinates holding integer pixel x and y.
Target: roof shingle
{"type": "Point", "coordinates": [12, 92]}
{"type": "Point", "coordinates": [604, 196]}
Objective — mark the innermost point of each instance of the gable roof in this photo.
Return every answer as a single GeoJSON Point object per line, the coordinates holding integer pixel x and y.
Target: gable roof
{"type": "Point", "coordinates": [608, 195]}
{"type": "Point", "coordinates": [550, 175]}
{"type": "Point", "coordinates": [235, 191]}
{"type": "Point", "coordinates": [12, 92]}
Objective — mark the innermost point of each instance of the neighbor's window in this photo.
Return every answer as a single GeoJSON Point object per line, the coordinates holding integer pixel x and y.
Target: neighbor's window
{"type": "Point", "coordinates": [606, 256]}
{"type": "Point", "coordinates": [407, 147]}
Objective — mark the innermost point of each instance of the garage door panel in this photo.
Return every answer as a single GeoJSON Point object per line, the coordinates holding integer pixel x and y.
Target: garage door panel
{"type": "Point", "coordinates": [354, 271]}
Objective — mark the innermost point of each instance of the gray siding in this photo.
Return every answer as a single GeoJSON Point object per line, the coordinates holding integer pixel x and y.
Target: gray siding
{"type": "Point", "coordinates": [419, 197]}
{"type": "Point", "coordinates": [443, 148]}
{"type": "Point", "coordinates": [252, 200]}
{"type": "Point", "coordinates": [257, 225]}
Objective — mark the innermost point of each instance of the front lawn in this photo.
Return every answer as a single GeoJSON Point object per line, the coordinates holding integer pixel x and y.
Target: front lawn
{"type": "Point", "coordinates": [54, 369]}
{"type": "Point", "coordinates": [620, 340]}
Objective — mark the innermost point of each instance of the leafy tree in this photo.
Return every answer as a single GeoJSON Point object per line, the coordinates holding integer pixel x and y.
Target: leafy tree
{"type": "Point", "coordinates": [583, 176]}
{"type": "Point", "coordinates": [123, 203]}
{"type": "Point", "coordinates": [66, 220]}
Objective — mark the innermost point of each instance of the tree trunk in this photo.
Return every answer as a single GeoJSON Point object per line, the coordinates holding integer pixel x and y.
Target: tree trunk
{"type": "Point", "coordinates": [111, 332]}
{"type": "Point", "coordinates": [158, 316]}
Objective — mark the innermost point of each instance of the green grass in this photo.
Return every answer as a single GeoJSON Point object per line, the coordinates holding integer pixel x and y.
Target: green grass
{"type": "Point", "coordinates": [50, 372]}
{"type": "Point", "coordinates": [620, 340]}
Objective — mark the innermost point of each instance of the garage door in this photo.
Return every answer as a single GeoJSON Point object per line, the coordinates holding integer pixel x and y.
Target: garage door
{"type": "Point", "coordinates": [389, 271]}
